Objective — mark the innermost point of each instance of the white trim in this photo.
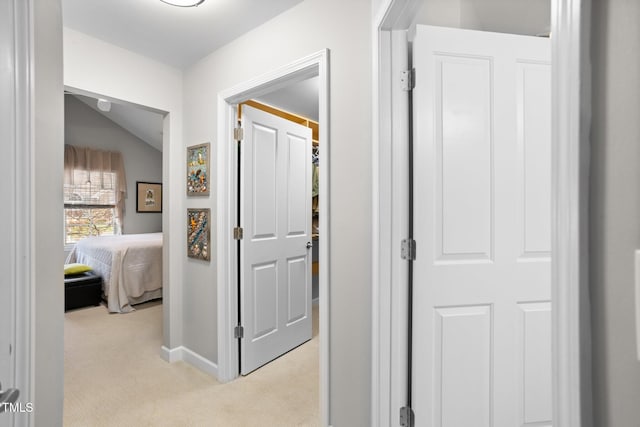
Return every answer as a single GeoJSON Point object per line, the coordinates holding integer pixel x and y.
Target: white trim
{"type": "Point", "coordinates": [24, 328]}
{"type": "Point", "coordinates": [171, 355]}
{"type": "Point", "coordinates": [636, 277]}
{"type": "Point", "coordinates": [569, 231]}
{"type": "Point", "coordinates": [202, 363]}
{"type": "Point", "coordinates": [379, 382]}
{"type": "Point", "coordinates": [390, 221]}
{"type": "Point", "coordinates": [316, 64]}
{"type": "Point", "coordinates": [390, 224]}
{"type": "Point", "coordinates": [189, 356]}
{"type": "Point", "coordinates": [227, 257]}
{"type": "Point", "coordinates": [569, 214]}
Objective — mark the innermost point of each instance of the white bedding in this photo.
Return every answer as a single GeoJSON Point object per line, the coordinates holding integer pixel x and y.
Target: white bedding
{"type": "Point", "coordinates": [130, 266]}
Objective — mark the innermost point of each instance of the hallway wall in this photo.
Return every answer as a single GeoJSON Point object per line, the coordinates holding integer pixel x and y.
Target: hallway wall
{"type": "Point", "coordinates": [344, 28]}
{"type": "Point", "coordinates": [615, 210]}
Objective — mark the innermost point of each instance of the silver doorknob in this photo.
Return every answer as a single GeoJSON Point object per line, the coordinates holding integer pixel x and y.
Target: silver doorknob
{"type": "Point", "coordinates": [309, 245]}
{"type": "Point", "coordinates": [8, 396]}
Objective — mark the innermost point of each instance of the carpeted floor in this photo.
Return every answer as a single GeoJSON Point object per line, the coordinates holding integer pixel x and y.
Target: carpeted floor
{"type": "Point", "coordinates": [114, 376]}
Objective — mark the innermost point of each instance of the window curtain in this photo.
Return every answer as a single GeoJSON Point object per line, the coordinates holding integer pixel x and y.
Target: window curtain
{"type": "Point", "coordinates": [100, 161]}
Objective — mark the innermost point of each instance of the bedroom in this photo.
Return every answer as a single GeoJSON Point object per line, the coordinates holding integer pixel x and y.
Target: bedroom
{"type": "Point", "coordinates": [113, 151]}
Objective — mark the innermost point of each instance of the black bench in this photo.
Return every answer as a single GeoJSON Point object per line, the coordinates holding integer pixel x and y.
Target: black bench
{"type": "Point", "coordinates": [82, 290]}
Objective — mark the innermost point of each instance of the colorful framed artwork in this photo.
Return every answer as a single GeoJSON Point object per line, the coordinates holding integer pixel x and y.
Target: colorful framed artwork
{"type": "Point", "coordinates": [198, 173]}
{"type": "Point", "coordinates": [198, 234]}
{"type": "Point", "coordinates": [148, 197]}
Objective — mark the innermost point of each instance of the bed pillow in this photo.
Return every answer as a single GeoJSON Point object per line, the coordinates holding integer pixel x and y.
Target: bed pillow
{"type": "Point", "coordinates": [76, 268]}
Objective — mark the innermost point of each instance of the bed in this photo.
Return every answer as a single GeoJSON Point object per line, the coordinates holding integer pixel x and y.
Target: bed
{"type": "Point", "coordinates": [130, 266]}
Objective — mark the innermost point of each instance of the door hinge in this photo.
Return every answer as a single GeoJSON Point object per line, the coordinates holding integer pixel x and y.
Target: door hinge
{"type": "Point", "coordinates": [408, 79]}
{"type": "Point", "coordinates": [238, 233]}
{"type": "Point", "coordinates": [238, 332]}
{"type": "Point", "coordinates": [408, 249]}
{"type": "Point", "coordinates": [406, 417]}
{"type": "Point", "coordinates": [238, 134]}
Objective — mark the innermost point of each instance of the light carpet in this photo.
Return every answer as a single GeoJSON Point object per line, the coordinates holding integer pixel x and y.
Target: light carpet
{"type": "Point", "coordinates": [114, 376]}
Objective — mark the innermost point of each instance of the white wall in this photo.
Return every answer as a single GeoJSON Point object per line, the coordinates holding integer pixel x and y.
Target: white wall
{"type": "Point", "coordinates": [97, 67]}
{"type": "Point", "coordinates": [46, 213]}
{"type": "Point", "coordinates": [344, 28]}
{"type": "Point", "coordinates": [615, 210]}
{"type": "Point", "coordinates": [85, 127]}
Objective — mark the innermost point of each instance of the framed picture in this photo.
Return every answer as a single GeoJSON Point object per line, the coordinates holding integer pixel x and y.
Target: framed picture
{"type": "Point", "coordinates": [198, 234]}
{"type": "Point", "coordinates": [198, 170]}
{"type": "Point", "coordinates": [148, 197]}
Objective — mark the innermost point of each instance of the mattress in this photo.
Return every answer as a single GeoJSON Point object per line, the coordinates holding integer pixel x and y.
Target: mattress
{"type": "Point", "coordinates": [130, 266]}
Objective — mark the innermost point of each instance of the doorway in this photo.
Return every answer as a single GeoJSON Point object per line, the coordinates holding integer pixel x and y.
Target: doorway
{"type": "Point", "coordinates": [228, 298]}
{"type": "Point", "coordinates": [391, 153]}
{"type": "Point", "coordinates": [135, 133]}
{"type": "Point", "coordinates": [274, 236]}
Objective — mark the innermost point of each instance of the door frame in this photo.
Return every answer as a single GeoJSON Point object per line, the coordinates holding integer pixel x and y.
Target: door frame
{"type": "Point", "coordinates": [169, 306]}
{"type": "Point", "coordinates": [316, 64]}
{"type": "Point", "coordinates": [19, 267]}
{"type": "Point", "coordinates": [571, 110]}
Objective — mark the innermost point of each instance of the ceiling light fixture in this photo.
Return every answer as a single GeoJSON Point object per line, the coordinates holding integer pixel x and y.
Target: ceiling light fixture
{"type": "Point", "coordinates": [183, 3]}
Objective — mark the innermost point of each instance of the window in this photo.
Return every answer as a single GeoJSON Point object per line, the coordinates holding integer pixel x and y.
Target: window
{"type": "Point", "coordinates": [94, 191]}
{"type": "Point", "coordinates": [90, 205]}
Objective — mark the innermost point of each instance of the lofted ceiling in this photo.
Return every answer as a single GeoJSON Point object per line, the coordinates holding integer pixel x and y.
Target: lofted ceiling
{"type": "Point", "coordinates": [178, 36]}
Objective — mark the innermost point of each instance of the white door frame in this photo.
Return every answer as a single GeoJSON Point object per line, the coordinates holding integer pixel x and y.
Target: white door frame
{"type": "Point", "coordinates": [570, 110]}
{"type": "Point", "coordinates": [313, 65]}
{"type": "Point", "coordinates": [19, 269]}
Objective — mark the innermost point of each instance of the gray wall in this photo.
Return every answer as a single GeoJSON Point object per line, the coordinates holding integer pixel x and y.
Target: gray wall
{"type": "Point", "coordinates": [615, 210]}
{"type": "Point", "coordinates": [344, 27]}
{"type": "Point", "coordinates": [85, 127]}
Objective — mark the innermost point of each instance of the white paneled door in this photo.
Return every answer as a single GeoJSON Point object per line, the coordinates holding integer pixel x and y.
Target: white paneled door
{"type": "Point", "coordinates": [275, 257]}
{"type": "Point", "coordinates": [482, 208]}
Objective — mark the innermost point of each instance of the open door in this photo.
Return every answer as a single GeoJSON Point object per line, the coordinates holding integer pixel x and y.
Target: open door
{"type": "Point", "coordinates": [482, 215]}
{"type": "Point", "coordinates": [275, 250]}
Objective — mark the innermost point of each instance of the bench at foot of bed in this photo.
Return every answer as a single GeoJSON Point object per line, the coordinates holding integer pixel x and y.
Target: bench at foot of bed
{"type": "Point", "coordinates": [82, 290]}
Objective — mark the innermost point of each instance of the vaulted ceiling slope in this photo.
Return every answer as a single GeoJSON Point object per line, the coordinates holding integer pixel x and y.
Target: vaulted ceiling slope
{"type": "Point", "coordinates": [176, 36]}
{"type": "Point", "coordinates": [142, 123]}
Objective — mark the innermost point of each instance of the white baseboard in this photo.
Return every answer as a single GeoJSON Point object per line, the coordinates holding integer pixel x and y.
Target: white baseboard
{"type": "Point", "coordinates": [171, 355]}
{"type": "Point", "coordinates": [189, 356]}
{"type": "Point", "coordinates": [197, 361]}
